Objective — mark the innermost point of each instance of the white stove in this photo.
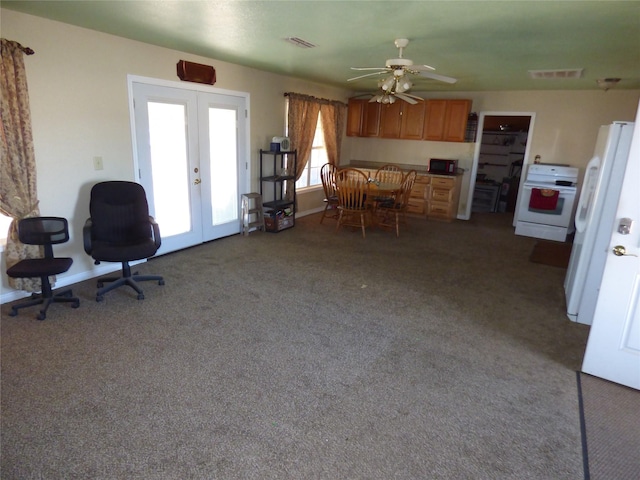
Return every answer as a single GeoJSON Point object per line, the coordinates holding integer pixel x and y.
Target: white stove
{"type": "Point", "coordinates": [547, 202]}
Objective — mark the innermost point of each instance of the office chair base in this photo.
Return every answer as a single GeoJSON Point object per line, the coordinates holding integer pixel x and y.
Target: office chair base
{"type": "Point", "coordinates": [130, 280]}
{"type": "Point", "coordinates": [37, 299]}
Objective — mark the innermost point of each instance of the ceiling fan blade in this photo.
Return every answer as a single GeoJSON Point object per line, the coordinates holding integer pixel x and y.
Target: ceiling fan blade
{"type": "Point", "coordinates": [366, 75]}
{"type": "Point", "coordinates": [407, 98]}
{"type": "Point", "coordinates": [441, 78]}
{"type": "Point", "coordinates": [422, 68]}
{"type": "Point", "coordinates": [368, 68]}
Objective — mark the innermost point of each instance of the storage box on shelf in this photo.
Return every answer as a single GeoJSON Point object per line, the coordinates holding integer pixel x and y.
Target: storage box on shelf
{"type": "Point", "coordinates": [278, 189]}
{"type": "Point", "coordinates": [279, 220]}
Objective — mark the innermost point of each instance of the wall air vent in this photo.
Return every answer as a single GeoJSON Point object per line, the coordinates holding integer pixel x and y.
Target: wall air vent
{"type": "Point", "coordinates": [298, 42]}
{"type": "Point", "coordinates": [556, 74]}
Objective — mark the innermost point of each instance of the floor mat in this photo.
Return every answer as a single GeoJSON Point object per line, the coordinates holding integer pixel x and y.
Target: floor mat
{"type": "Point", "coordinates": [610, 421]}
{"type": "Point", "coordinates": [551, 253]}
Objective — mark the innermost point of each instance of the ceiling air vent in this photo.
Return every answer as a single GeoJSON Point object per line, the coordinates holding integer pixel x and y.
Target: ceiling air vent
{"type": "Point", "coordinates": [554, 74]}
{"type": "Point", "coordinates": [298, 42]}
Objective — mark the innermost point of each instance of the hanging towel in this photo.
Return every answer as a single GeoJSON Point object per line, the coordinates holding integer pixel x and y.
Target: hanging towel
{"type": "Point", "coordinates": [544, 198]}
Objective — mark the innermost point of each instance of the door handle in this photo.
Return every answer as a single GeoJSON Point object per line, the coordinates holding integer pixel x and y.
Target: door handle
{"type": "Point", "coordinates": [620, 251]}
{"type": "Point", "coordinates": [197, 181]}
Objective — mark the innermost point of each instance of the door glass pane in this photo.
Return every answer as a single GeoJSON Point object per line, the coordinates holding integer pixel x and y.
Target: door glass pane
{"type": "Point", "coordinates": [223, 157]}
{"type": "Point", "coordinates": [168, 145]}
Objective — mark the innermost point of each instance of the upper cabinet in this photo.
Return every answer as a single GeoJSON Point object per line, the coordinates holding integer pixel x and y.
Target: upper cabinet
{"type": "Point", "coordinates": [363, 118]}
{"type": "Point", "coordinates": [440, 120]}
{"type": "Point", "coordinates": [355, 114]}
{"type": "Point", "coordinates": [402, 120]}
{"type": "Point", "coordinates": [446, 120]}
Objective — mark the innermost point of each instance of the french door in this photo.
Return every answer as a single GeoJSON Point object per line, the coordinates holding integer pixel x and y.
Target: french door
{"type": "Point", "coordinates": [191, 151]}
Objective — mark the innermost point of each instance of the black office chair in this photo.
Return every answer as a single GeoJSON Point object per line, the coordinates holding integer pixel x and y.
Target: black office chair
{"type": "Point", "coordinates": [44, 231]}
{"type": "Point", "coordinates": [120, 229]}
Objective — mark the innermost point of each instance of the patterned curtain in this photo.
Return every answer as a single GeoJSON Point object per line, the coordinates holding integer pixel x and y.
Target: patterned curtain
{"type": "Point", "coordinates": [302, 121]}
{"type": "Point", "coordinates": [18, 192]}
{"type": "Point", "coordinates": [332, 115]}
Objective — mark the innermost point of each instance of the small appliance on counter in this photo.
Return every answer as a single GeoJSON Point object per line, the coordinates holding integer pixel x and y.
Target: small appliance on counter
{"type": "Point", "coordinates": [441, 166]}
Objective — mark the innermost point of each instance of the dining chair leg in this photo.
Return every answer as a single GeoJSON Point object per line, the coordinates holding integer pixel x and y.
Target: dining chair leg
{"type": "Point", "coordinates": [324, 213]}
{"type": "Point", "coordinates": [363, 225]}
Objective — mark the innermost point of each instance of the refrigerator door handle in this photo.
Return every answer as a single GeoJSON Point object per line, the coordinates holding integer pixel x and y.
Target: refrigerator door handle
{"type": "Point", "coordinates": [582, 210]}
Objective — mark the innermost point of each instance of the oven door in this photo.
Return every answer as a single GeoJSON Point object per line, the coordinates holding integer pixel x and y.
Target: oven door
{"type": "Point", "coordinates": [560, 216]}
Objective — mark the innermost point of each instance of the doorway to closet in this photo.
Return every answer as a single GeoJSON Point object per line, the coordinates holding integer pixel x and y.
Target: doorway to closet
{"type": "Point", "coordinates": [190, 147]}
{"type": "Point", "coordinates": [501, 152]}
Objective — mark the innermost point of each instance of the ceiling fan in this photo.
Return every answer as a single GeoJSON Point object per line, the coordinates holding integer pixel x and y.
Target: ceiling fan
{"type": "Point", "coordinates": [398, 84]}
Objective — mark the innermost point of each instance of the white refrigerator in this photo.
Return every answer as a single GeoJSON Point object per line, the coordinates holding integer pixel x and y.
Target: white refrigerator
{"type": "Point", "coordinates": [594, 218]}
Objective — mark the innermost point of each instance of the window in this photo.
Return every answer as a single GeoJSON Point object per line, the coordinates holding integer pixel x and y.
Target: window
{"type": "Point", "coordinates": [311, 173]}
{"type": "Point", "coordinates": [4, 228]}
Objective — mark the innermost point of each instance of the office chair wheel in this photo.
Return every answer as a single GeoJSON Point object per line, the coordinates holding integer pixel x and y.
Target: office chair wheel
{"type": "Point", "coordinates": [99, 298]}
{"type": "Point", "coordinates": [140, 296]}
{"type": "Point", "coordinates": [13, 313]}
{"type": "Point", "coordinates": [75, 304]}
{"type": "Point", "coordinates": [100, 285]}
{"type": "Point", "coordinates": [160, 282]}
{"type": "Point", "coordinates": [41, 316]}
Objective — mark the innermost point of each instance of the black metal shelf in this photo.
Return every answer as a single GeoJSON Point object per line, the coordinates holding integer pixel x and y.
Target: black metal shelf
{"type": "Point", "coordinates": [281, 211]}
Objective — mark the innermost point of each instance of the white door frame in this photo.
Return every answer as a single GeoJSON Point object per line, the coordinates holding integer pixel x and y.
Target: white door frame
{"type": "Point", "coordinates": [131, 79]}
{"type": "Point", "coordinates": [476, 155]}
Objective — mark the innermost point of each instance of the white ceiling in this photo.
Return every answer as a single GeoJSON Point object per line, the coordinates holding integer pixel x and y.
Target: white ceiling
{"type": "Point", "coordinates": [487, 45]}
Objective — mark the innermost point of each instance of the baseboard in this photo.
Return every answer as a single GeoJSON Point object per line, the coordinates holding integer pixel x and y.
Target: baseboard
{"type": "Point", "coordinates": [309, 212]}
{"type": "Point", "coordinates": [65, 281]}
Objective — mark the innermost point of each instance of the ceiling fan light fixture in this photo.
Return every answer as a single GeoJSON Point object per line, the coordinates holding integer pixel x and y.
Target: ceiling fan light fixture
{"type": "Point", "coordinates": [403, 85]}
{"type": "Point", "coordinates": [607, 83]}
{"type": "Point", "coordinates": [388, 83]}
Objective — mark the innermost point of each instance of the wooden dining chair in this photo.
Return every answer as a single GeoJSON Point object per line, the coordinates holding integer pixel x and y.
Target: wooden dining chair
{"type": "Point", "coordinates": [352, 186]}
{"type": "Point", "coordinates": [393, 212]}
{"type": "Point", "coordinates": [388, 174]}
{"type": "Point", "coordinates": [328, 176]}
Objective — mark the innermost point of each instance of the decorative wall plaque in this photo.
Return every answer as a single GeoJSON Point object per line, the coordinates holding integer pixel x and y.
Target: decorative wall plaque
{"type": "Point", "coordinates": [196, 72]}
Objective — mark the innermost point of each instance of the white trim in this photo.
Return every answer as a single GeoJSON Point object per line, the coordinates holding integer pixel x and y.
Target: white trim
{"type": "Point", "coordinates": [476, 156]}
{"type": "Point", "coordinates": [131, 79]}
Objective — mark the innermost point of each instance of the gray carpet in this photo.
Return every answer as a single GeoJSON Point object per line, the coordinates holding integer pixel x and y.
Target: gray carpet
{"type": "Point", "coordinates": [306, 354]}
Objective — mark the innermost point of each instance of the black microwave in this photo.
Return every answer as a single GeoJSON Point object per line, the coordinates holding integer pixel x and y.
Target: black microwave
{"type": "Point", "coordinates": [443, 166]}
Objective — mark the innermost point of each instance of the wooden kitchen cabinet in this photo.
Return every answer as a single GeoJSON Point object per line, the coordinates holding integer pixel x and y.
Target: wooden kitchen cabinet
{"type": "Point", "coordinates": [440, 120]}
{"type": "Point", "coordinates": [371, 120]}
{"type": "Point", "coordinates": [412, 122]}
{"type": "Point", "coordinates": [446, 120]}
{"type": "Point", "coordinates": [443, 196]}
{"type": "Point", "coordinates": [355, 116]}
{"type": "Point", "coordinates": [402, 120]}
{"type": "Point", "coordinates": [418, 197]}
{"type": "Point", "coordinates": [363, 118]}
{"type": "Point", "coordinates": [391, 119]}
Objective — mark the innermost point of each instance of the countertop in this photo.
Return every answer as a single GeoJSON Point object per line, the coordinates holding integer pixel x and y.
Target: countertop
{"type": "Point", "coordinates": [420, 169]}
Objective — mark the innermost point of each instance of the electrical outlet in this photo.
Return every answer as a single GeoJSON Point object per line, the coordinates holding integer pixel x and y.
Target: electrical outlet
{"type": "Point", "coordinates": [97, 163]}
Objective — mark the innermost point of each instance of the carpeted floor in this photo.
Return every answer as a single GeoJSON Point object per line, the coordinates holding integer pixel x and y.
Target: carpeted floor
{"type": "Point", "coordinates": [442, 354]}
{"type": "Point", "coordinates": [610, 429]}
